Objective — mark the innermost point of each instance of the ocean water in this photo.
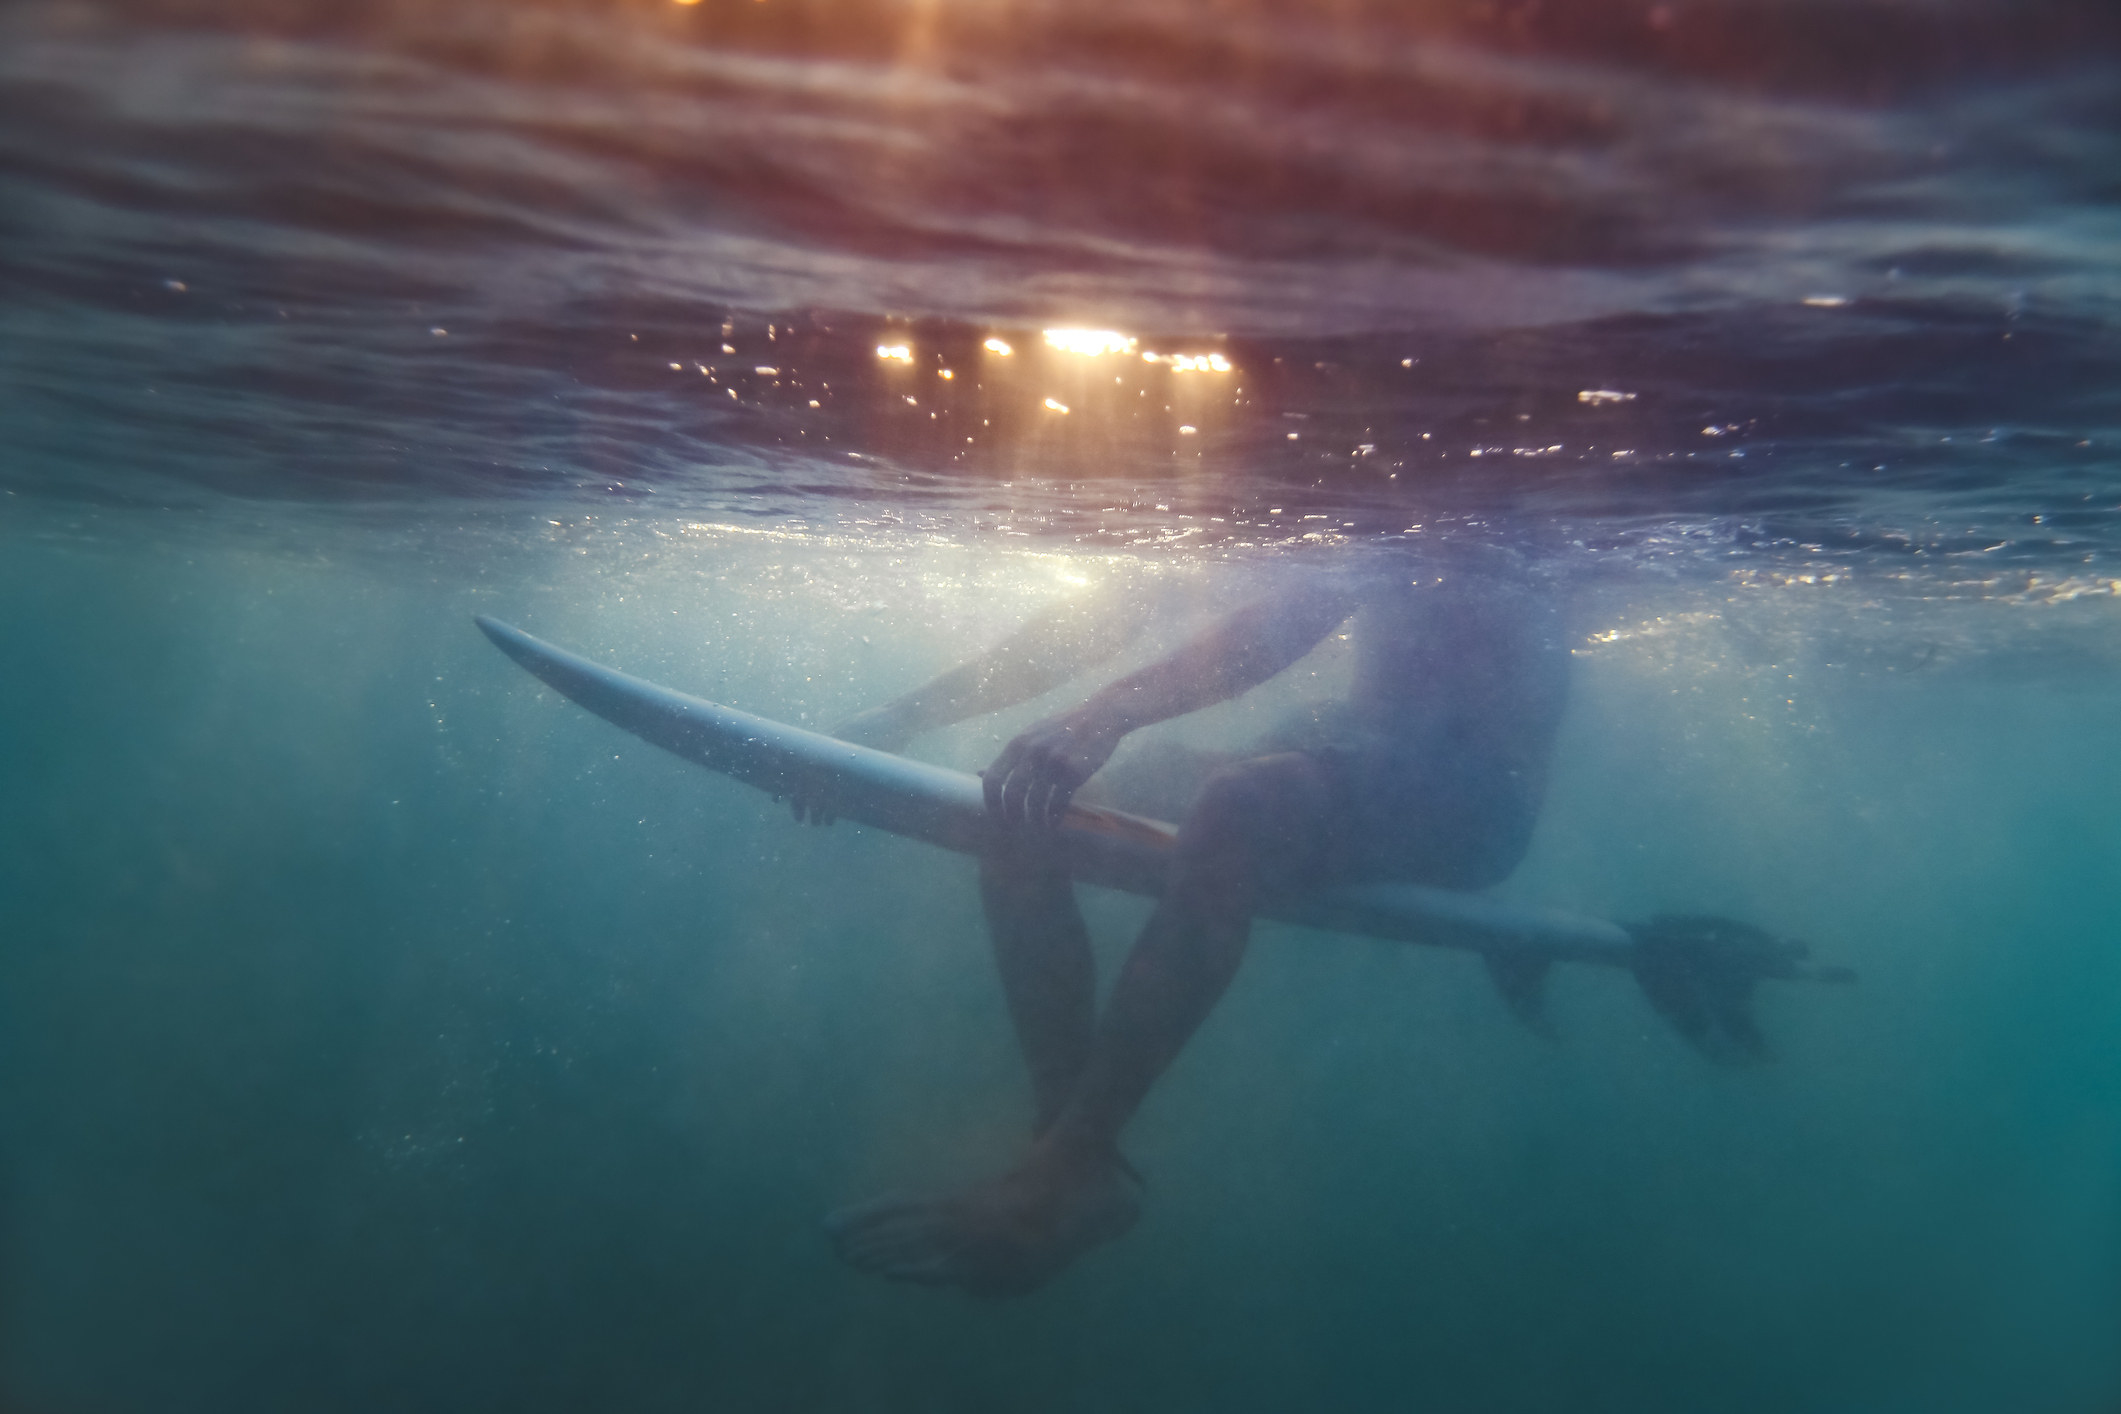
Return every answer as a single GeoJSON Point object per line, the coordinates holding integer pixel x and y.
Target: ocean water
{"type": "Point", "coordinates": [380, 1031]}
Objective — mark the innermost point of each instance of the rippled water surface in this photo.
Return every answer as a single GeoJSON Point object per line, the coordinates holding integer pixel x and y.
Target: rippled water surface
{"type": "Point", "coordinates": [376, 1030]}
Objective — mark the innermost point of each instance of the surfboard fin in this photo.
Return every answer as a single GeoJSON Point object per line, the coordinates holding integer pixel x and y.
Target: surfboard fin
{"type": "Point", "coordinates": [1698, 972]}
{"type": "Point", "coordinates": [1520, 977]}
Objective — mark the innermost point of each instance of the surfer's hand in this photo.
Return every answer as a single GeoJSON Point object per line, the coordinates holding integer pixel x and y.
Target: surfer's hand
{"type": "Point", "coordinates": [1038, 773]}
{"type": "Point", "coordinates": [810, 805]}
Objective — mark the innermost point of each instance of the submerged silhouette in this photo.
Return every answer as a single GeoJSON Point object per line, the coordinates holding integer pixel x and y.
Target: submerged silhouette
{"type": "Point", "coordinates": [1385, 811]}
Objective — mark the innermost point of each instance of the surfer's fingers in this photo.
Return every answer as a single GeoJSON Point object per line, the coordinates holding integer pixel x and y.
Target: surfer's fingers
{"type": "Point", "coordinates": [1039, 786]}
{"type": "Point", "coordinates": [994, 781]}
{"type": "Point", "coordinates": [1053, 808]}
{"type": "Point", "coordinates": [1016, 790]}
{"type": "Point", "coordinates": [1032, 783]}
{"type": "Point", "coordinates": [1038, 804]}
{"type": "Point", "coordinates": [1061, 773]}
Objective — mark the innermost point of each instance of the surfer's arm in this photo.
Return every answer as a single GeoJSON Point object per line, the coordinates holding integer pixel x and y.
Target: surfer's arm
{"type": "Point", "coordinates": [1236, 653]}
{"type": "Point", "coordinates": [1060, 643]}
{"type": "Point", "coordinates": [1039, 772]}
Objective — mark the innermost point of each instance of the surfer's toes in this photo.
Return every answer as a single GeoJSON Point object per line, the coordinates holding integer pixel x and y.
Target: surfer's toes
{"type": "Point", "coordinates": [989, 1241]}
{"type": "Point", "coordinates": [899, 1238]}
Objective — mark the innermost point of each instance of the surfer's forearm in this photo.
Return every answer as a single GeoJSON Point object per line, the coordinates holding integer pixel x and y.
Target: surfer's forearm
{"type": "Point", "coordinates": [1057, 645]}
{"type": "Point", "coordinates": [1238, 653]}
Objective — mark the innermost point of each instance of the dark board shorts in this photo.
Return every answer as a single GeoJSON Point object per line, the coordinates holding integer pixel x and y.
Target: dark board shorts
{"type": "Point", "coordinates": [1434, 814]}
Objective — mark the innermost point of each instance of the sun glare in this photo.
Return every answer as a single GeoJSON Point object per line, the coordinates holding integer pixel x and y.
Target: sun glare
{"type": "Point", "coordinates": [1090, 343]}
{"type": "Point", "coordinates": [1190, 363]}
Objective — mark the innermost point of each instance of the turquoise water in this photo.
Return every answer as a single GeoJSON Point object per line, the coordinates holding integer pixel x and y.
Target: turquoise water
{"type": "Point", "coordinates": [378, 1030]}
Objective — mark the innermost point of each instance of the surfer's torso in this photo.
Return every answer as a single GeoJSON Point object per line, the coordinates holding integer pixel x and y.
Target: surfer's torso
{"type": "Point", "coordinates": [1464, 664]}
{"type": "Point", "coordinates": [1439, 752]}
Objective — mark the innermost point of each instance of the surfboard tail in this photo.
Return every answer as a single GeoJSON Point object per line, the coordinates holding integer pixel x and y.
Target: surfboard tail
{"type": "Point", "coordinates": [1699, 972]}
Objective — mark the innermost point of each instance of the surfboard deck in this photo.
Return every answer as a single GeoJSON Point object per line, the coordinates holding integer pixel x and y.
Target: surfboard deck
{"type": "Point", "coordinates": [947, 808]}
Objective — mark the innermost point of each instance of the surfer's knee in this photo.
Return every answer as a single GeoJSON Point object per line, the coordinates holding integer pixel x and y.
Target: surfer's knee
{"type": "Point", "coordinates": [1269, 814]}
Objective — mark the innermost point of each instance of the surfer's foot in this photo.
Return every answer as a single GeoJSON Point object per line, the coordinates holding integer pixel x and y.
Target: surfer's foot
{"type": "Point", "coordinates": [1004, 1237]}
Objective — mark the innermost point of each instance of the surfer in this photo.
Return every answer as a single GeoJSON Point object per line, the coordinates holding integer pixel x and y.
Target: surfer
{"type": "Point", "coordinates": [1431, 770]}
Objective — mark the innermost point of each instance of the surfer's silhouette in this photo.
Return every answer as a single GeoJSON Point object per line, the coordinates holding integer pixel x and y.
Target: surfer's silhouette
{"type": "Point", "coordinates": [1430, 771]}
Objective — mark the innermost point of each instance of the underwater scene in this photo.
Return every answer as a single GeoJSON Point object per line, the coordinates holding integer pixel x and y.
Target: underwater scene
{"type": "Point", "coordinates": [987, 705]}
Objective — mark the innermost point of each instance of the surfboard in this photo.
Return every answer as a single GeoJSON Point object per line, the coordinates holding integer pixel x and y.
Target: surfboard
{"type": "Point", "coordinates": [1697, 971]}
{"type": "Point", "coordinates": [1105, 847]}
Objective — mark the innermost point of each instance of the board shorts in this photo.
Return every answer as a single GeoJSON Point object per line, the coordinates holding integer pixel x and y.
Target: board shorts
{"type": "Point", "coordinates": [1401, 812]}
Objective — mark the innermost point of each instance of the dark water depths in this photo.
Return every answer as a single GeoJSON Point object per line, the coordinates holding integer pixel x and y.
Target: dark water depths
{"type": "Point", "coordinates": [378, 1032]}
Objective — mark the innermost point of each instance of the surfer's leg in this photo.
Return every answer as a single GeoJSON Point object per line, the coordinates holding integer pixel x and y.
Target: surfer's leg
{"type": "Point", "coordinates": [1007, 1236]}
{"type": "Point", "coordinates": [1042, 951]}
{"type": "Point", "coordinates": [1261, 825]}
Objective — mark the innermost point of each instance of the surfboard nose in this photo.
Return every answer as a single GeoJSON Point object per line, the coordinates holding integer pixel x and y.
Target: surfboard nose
{"type": "Point", "coordinates": [506, 637]}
